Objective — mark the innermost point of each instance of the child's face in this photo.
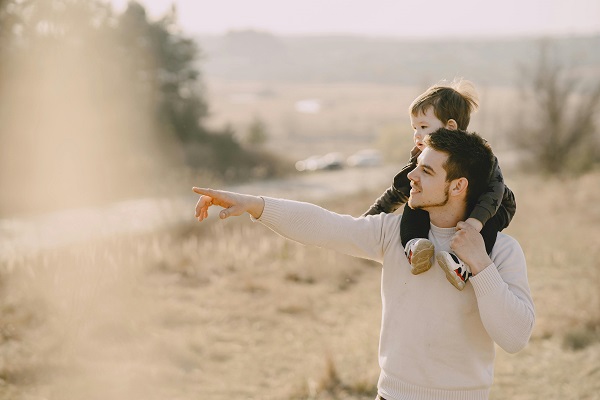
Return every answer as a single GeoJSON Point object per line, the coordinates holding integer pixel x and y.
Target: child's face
{"type": "Point", "coordinates": [424, 124]}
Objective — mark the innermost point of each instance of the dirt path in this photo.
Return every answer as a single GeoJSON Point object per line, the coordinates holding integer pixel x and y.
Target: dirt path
{"type": "Point", "coordinates": [26, 235]}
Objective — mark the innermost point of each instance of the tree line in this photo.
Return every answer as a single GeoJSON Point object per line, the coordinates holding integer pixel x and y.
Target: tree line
{"type": "Point", "coordinates": [92, 94]}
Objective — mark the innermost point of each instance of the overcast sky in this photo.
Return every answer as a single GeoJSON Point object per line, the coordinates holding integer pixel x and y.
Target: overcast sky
{"type": "Point", "coordinates": [400, 18]}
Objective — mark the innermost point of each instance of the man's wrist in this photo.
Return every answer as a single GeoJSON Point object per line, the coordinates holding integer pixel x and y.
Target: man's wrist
{"type": "Point", "coordinates": [257, 206]}
{"type": "Point", "coordinates": [480, 264]}
{"type": "Point", "coordinates": [475, 223]}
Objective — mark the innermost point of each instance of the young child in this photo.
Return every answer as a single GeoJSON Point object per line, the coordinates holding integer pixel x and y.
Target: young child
{"type": "Point", "coordinates": [448, 106]}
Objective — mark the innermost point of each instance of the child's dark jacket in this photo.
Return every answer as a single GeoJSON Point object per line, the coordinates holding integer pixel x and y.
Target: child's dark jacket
{"type": "Point", "coordinates": [498, 202]}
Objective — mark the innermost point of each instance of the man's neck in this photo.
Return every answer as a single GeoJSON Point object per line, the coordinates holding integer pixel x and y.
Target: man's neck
{"type": "Point", "coordinates": [447, 217]}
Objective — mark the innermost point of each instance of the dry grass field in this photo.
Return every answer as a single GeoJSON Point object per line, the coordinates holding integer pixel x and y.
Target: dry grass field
{"type": "Point", "coordinates": [227, 309]}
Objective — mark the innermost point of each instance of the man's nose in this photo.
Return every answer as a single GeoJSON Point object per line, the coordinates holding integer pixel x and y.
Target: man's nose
{"type": "Point", "coordinates": [411, 175]}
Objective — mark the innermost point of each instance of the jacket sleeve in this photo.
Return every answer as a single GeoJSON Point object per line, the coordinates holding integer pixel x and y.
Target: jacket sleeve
{"type": "Point", "coordinates": [506, 211]}
{"type": "Point", "coordinates": [498, 201]}
{"type": "Point", "coordinates": [398, 193]}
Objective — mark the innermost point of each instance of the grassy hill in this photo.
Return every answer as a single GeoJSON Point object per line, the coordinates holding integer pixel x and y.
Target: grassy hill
{"type": "Point", "coordinates": [252, 55]}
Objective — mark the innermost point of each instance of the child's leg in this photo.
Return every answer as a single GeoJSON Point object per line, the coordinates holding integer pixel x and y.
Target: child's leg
{"type": "Point", "coordinates": [490, 233]}
{"type": "Point", "coordinates": [414, 224]}
{"type": "Point", "coordinates": [490, 230]}
{"type": "Point", "coordinates": [414, 230]}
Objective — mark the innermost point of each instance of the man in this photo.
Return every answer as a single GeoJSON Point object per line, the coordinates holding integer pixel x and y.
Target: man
{"type": "Point", "coordinates": [435, 342]}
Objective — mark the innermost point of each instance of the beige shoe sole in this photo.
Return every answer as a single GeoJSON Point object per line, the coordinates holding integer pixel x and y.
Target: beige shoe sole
{"type": "Point", "coordinates": [421, 257]}
{"type": "Point", "coordinates": [450, 274]}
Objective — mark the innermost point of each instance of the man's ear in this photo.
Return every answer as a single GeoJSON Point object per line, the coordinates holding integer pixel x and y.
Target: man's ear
{"type": "Point", "coordinates": [452, 125]}
{"type": "Point", "coordinates": [459, 186]}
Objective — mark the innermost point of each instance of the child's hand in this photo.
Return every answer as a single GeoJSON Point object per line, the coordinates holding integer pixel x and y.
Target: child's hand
{"type": "Point", "coordinates": [414, 153]}
{"type": "Point", "coordinates": [475, 223]}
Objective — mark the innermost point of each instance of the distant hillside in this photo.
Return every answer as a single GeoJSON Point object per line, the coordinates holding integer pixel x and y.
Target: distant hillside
{"type": "Point", "coordinates": [251, 55]}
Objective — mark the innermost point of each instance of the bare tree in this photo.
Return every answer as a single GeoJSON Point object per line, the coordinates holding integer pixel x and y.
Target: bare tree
{"type": "Point", "coordinates": [558, 129]}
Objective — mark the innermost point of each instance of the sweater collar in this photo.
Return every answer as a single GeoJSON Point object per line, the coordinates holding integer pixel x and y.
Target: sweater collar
{"type": "Point", "coordinates": [442, 233]}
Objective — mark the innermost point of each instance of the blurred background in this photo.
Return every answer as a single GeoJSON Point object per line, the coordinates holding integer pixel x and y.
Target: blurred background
{"type": "Point", "coordinates": [112, 110]}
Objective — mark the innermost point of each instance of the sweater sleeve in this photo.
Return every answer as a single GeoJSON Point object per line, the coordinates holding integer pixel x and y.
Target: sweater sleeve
{"type": "Point", "coordinates": [504, 298]}
{"type": "Point", "coordinates": [310, 224]}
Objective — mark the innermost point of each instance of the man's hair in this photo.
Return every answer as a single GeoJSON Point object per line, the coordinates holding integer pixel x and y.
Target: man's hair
{"type": "Point", "coordinates": [457, 101]}
{"type": "Point", "coordinates": [469, 156]}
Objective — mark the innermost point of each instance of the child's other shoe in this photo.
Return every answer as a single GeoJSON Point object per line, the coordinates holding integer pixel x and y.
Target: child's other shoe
{"type": "Point", "coordinates": [419, 253]}
{"type": "Point", "coordinates": [457, 272]}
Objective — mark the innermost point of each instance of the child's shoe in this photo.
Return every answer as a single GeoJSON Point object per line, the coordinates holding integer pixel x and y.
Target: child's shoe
{"type": "Point", "coordinates": [457, 272]}
{"type": "Point", "coordinates": [419, 253]}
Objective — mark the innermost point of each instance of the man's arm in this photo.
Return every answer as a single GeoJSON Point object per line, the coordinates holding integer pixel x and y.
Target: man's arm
{"type": "Point", "coordinates": [234, 204]}
{"type": "Point", "coordinates": [501, 286]}
{"type": "Point", "coordinates": [309, 224]}
{"type": "Point", "coordinates": [306, 223]}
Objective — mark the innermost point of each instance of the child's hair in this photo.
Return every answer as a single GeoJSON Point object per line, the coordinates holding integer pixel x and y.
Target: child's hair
{"type": "Point", "coordinates": [456, 101]}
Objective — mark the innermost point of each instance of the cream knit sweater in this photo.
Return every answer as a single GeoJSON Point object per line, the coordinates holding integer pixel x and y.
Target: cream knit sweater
{"type": "Point", "coordinates": [436, 342]}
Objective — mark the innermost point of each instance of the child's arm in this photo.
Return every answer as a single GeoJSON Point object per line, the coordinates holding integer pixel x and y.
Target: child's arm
{"type": "Point", "coordinates": [399, 192]}
{"type": "Point", "coordinates": [388, 202]}
{"type": "Point", "coordinates": [498, 202]}
{"type": "Point", "coordinates": [507, 209]}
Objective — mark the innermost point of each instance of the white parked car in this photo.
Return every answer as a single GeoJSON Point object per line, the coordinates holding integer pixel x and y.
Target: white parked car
{"type": "Point", "coordinates": [365, 158]}
{"type": "Point", "coordinates": [329, 161]}
{"type": "Point", "coordinates": [332, 161]}
{"type": "Point", "coordinates": [309, 164]}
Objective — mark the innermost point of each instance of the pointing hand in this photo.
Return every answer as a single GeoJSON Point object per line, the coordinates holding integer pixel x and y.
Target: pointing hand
{"type": "Point", "coordinates": [234, 204]}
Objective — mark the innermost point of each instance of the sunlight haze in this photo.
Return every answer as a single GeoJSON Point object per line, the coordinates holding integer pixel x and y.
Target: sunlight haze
{"type": "Point", "coordinates": [460, 18]}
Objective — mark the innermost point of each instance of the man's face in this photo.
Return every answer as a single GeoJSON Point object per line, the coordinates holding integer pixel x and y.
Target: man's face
{"type": "Point", "coordinates": [423, 124]}
{"type": "Point", "coordinates": [429, 188]}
